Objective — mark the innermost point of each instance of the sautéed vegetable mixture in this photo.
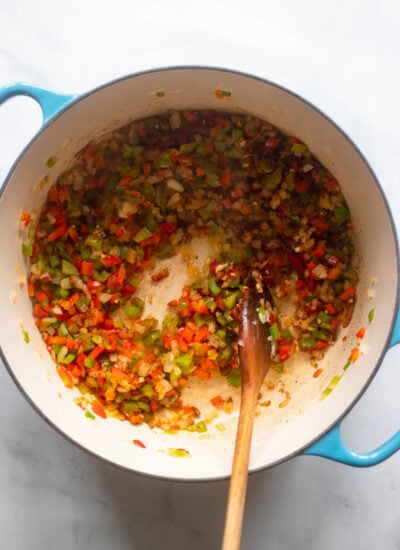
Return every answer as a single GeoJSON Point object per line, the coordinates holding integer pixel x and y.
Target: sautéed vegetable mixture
{"type": "Point", "coordinates": [139, 196]}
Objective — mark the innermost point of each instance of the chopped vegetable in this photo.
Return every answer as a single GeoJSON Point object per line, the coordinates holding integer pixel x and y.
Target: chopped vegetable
{"type": "Point", "coordinates": [371, 315]}
{"type": "Point", "coordinates": [139, 196]}
{"type": "Point", "coordinates": [25, 218]}
{"type": "Point", "coordinates": [51, 161]}
{"type": "Point", "coordinates": [360, 333]}
{"type": "Point", "coordinates": [178, 453]}
{"type": "Point", "coordinates": [342, 214]}
{"type": "Point", "coordinates": [217, 401]}
{"type": "Point", "coordinates": [27, 249]}
{"type": "Point", "coordinates": [331, 386]}
{"type": "Point", "coordinates": [221, 94]}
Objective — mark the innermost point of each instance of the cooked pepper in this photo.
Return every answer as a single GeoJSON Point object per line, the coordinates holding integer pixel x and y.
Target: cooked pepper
{"type": "Point", "coordinates": [214, 288]}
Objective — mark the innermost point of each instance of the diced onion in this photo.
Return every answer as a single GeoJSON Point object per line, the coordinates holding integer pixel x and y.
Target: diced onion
{"type": "Point", "coordinates": [176, 197]}
{"type": "Point", "coordinates": [320, 271]}
{"type": "Point", "coordinates": [175, 120]}
{"type": "Point", "coordinates": [127, 209]}
{"type": "Point", "coordinates": [175, 185]}
{"type": "Point", "coordinates": [144, 369]}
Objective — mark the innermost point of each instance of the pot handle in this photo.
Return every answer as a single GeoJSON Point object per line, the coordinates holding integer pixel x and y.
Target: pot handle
{"type": "Point", "coordinates": [50, 102]}
{"type": "Point", "coordinates": [331, 446]}
{"type": "Point", "coordinates": [395, 338]}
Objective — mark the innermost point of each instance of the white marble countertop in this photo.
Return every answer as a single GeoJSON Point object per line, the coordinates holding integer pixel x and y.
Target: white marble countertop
{"type": "Point", "coordinates": [345, 58]}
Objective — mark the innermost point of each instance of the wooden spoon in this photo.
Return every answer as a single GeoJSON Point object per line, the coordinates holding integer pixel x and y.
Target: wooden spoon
{"type": "Point", "coordinates": [254, 358]}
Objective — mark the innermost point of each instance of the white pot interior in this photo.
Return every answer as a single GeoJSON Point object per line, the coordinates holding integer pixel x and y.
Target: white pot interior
{"type": "Point", "coordinates": [279, 432]}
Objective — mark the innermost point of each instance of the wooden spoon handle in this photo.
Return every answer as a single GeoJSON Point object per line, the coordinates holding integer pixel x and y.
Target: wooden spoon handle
{"type": "Point", "coordinates": [240, 467]}
{"type": "Point", "coordinates": [254, 354]}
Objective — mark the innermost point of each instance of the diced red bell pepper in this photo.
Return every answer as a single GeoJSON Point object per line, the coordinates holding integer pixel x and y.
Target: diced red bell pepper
{"type": "Point", "coordinates": [348, 293]}
{"type": "Point", "coordinates": [302, 186]}
{"type": "Point", "coordinates": [189, 116]}
{"type": "Point", "coordinates": [284, 351]}
{"type": "Point", "coordinates": [272, 143]}
{"type": "Point", "coordinates": [320, 223]}
{"type": "Point", "coordinates": [226, 178]}
{"type": "Point", "coordinates": [125, 180]}
{"type": "Point", "coordinates": [98, 408]}
{"type": "Point", "coordinates": [318, 251]}
{"type": "Point", "coordinates": [166, 227]}
{"type": "Point", "coordinates": [217, 401]}
{"type": "Point", "coordinates": [213, 266]}
{"type": "Point", "coordinates": [121, 275]}
{"type": "Point", "coordinates": [296, 261]}
{"type": "Point", "coordinates": [360, 333]}
{"type": "Point", "coordinates": [25, 218]}
{"type": "Point", "coordinates": [128, 289]}
{"type": "Point", "coordinates": [331, 185]}
{"type": "Point", "coordinates": [138, 443]}
{"type": "Point", "coordinates": [182, 343]}
{"type": "Point", "coordinates": [201, 334]}
{"type": "Point", "coordinates": [354, 354]}
{"type": "Point", "coordinates": [95, 352]}
{"type": "Point", "coordinates": [65, 376]}
{"type": "Point", "coordinates": [109, 261]}
{"type": "Point", "coordinates": [321, 344]}
{"type": "Point", "coordinates": [187, 333]}
{"type": "Point", "coordinates": [87, 268]}
{"type": "Point", "coordinates": [202, 373]}
{"type": "Point", "coordinates": [199, 306]}
{"type": "Point", "coordinates": [57, 232]}
{"type": "Point", "coordinates": [330, 309]}
{"type": "Point", "coordinates": [93, 285]}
